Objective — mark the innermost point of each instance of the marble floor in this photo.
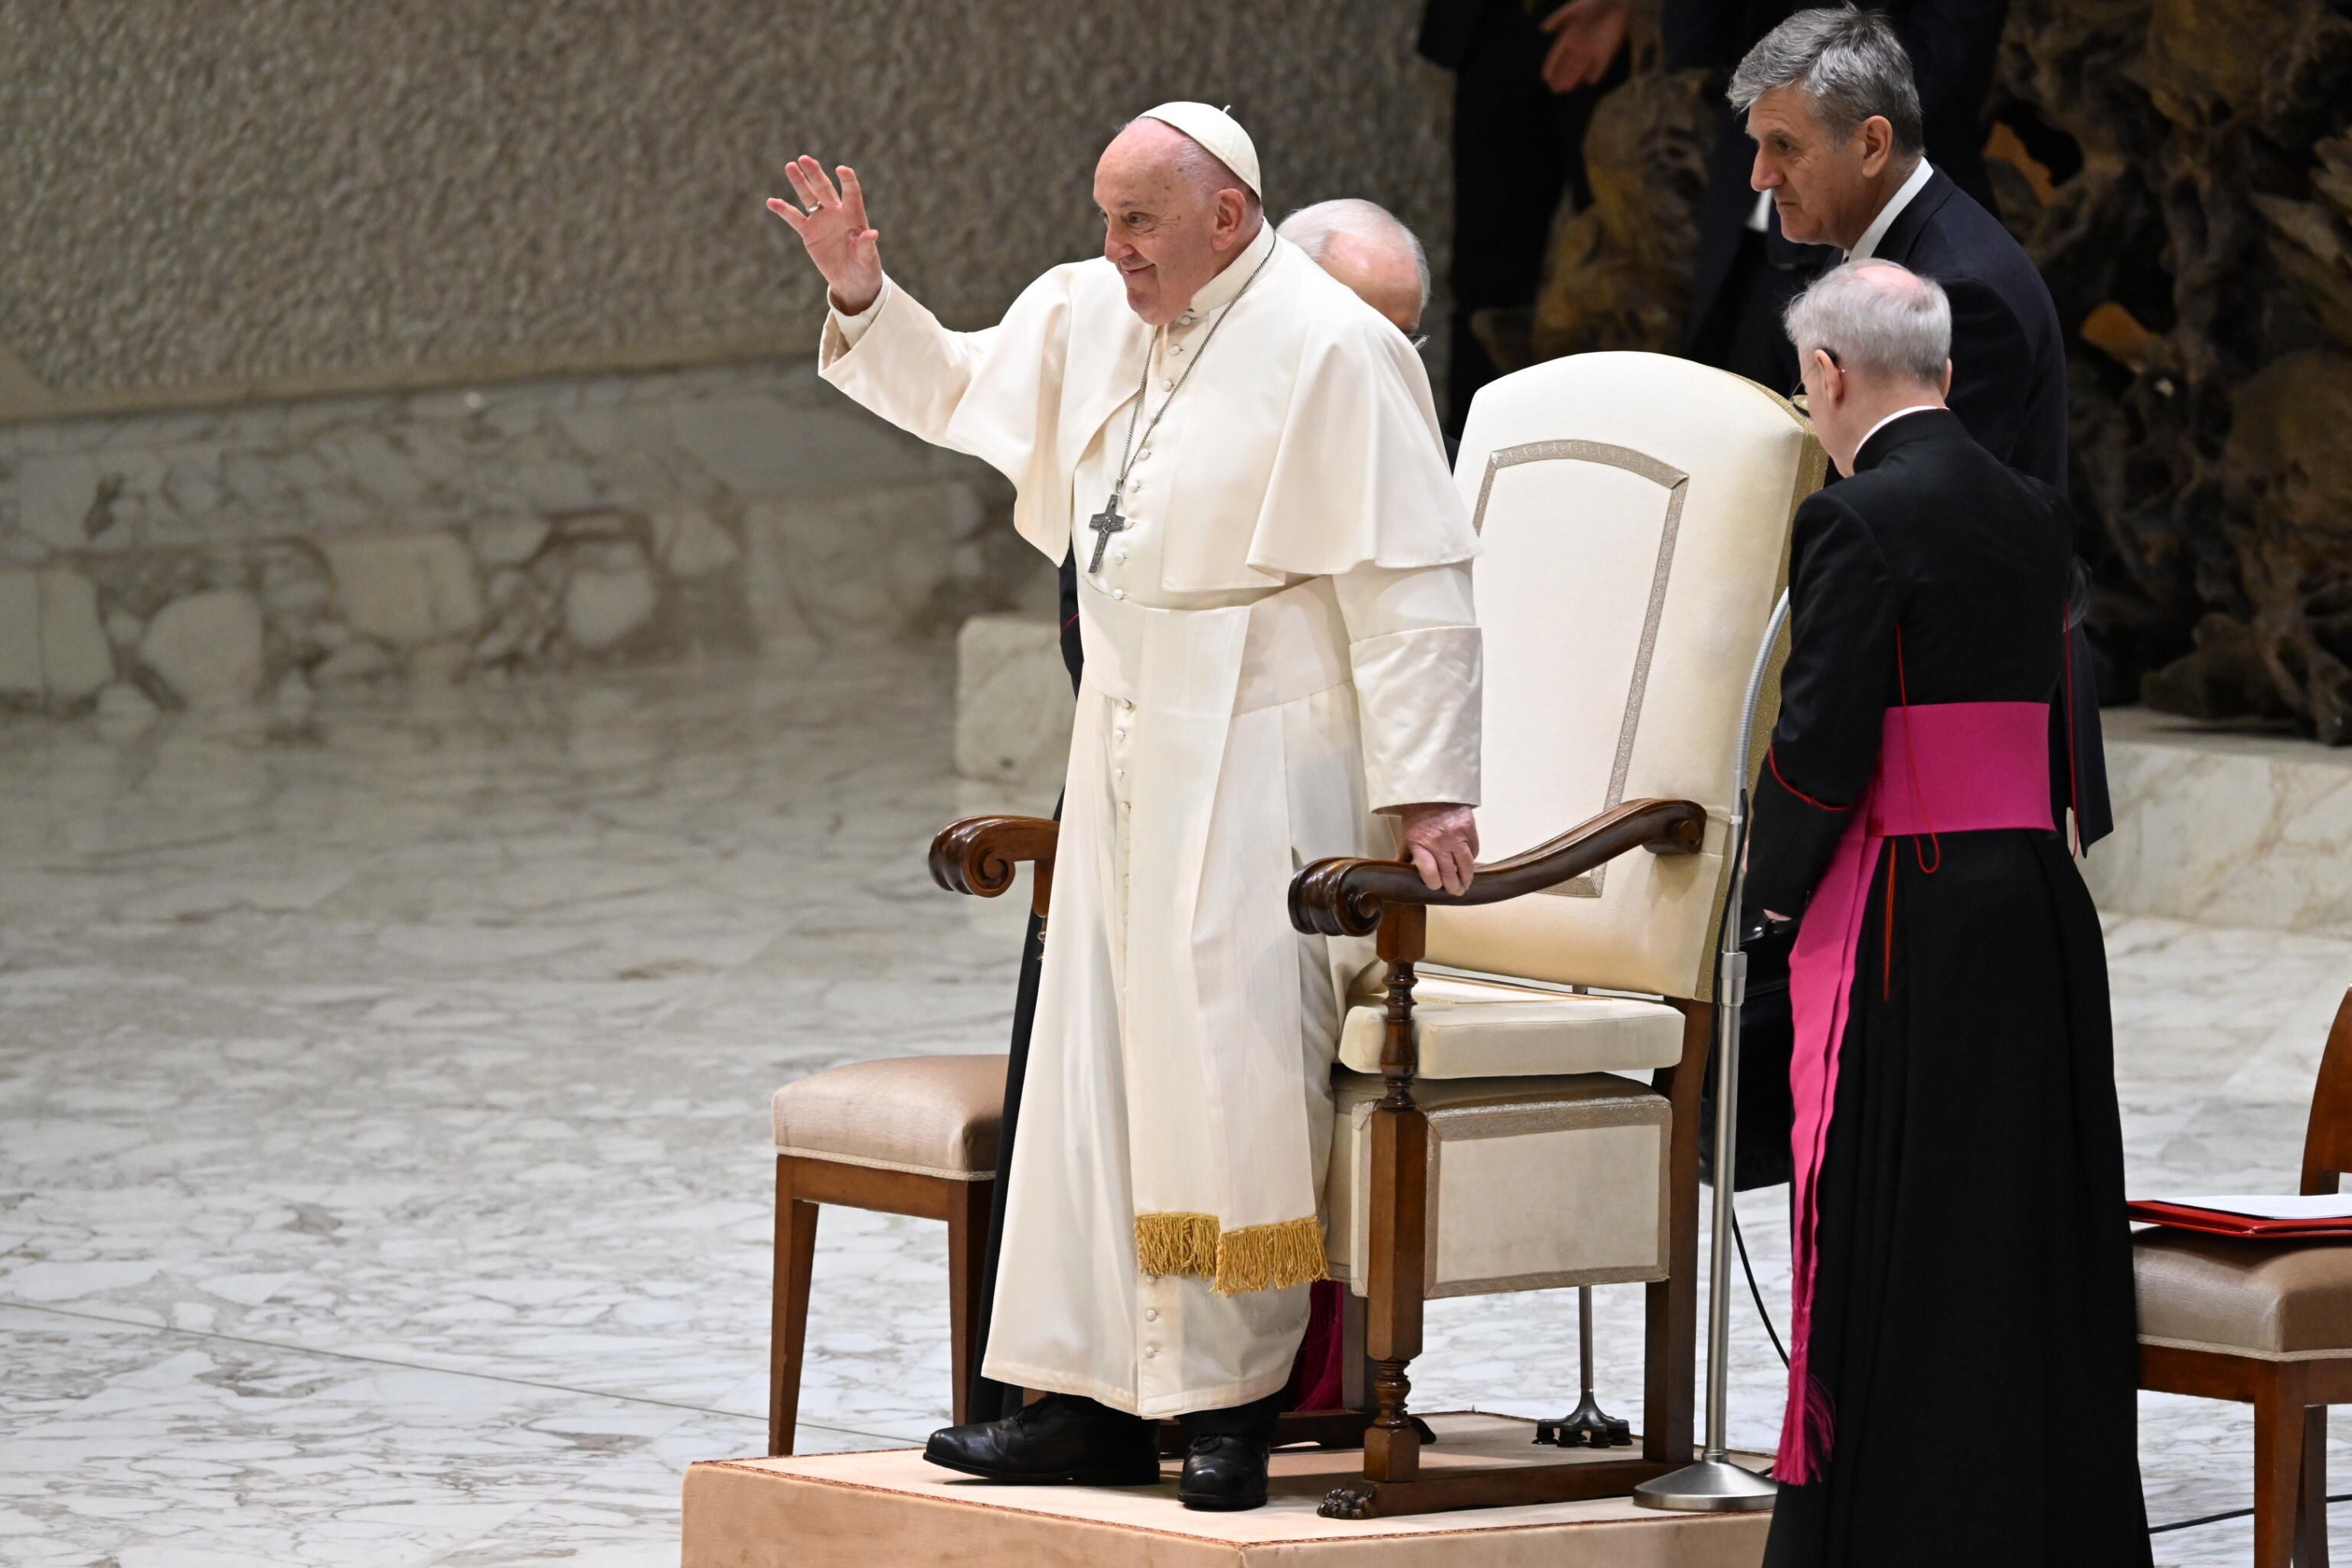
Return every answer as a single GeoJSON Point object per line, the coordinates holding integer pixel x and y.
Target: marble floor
{"type": "Point", "coordinates": [384, 1174]}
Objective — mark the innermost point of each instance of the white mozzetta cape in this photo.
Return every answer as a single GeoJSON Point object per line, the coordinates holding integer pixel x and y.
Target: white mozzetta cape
{"type": "Point", "coordinates": [1280, 647]}
{"type": "Point", "coordinates": [1311, 446]}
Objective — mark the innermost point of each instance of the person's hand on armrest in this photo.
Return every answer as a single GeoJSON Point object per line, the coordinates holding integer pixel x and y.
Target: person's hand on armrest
{"type": "Point", "coordinates": [1442, 840]}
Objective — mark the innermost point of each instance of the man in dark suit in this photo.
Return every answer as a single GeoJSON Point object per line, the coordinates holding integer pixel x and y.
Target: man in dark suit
{"type": "Point", "coordinates": [1837, 143]}
{"type": "Point", "coordinates": [1745, 269]}
{"type": "Point", "coordinates": [1839, 140]}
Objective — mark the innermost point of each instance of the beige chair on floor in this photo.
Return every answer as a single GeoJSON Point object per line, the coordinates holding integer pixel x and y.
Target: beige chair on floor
{"type": "Point", "coordinates": [1530, 1119]}
{"type": "Point", "coordinates": [910, 1135]}
{"type": "Point", "coordinates": [2269, 1324]}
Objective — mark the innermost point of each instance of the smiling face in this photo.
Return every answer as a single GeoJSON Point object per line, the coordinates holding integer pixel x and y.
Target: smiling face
{"type": "Point", "coordinates": [1170, 225]}
{"type": "Point", "coordinates": [1826, 191]}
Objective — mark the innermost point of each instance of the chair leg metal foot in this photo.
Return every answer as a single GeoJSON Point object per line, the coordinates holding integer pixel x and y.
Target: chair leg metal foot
{"type": "Point", "coordinates": [1586, 1426]}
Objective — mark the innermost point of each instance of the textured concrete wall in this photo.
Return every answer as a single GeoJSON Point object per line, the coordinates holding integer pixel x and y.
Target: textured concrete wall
{"type": "Point", "coordinates": [268, 196]}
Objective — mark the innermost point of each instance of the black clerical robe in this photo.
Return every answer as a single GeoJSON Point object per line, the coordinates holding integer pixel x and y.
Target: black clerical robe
{"type": "Point", "coordinates": [1968, 1351]}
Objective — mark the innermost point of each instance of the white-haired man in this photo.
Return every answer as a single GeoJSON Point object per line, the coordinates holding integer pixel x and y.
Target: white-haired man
{"type": "Point", "coordinates": [1962, 1262]}
{"type": "Point", "coordinates": [1282, 663]}
{"type": "Point", "coordinates": [1364, 246]}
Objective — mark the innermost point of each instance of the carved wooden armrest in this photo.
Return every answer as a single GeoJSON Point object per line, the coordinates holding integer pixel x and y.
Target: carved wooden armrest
{"type": "Point", "coordinates": [1347, 896]}
{"type": "Point", "coordinates": [978, 855]}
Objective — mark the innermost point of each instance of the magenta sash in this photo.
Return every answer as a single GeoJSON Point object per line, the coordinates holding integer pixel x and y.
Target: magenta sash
{"type": "Point", "coordinates": [1948, 767]}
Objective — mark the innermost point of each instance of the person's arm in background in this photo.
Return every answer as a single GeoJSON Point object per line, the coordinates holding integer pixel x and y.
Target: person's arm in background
{"type": "Point", "coordinates": [1587, 35]}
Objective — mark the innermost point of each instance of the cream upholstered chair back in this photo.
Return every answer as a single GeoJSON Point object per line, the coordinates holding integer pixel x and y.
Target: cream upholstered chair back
{"type": "Point", "coordinates": [1635, 512]}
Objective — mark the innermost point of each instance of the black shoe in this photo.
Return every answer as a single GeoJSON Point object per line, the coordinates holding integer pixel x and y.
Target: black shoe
{"type": "Point", "coordinates": [1058, 1440]}
{"type": "Point", "coordinates": [1223, 1475]}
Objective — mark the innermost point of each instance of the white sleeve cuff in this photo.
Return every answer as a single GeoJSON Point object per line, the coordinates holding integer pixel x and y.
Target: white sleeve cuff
{"type": "Point", "coordinates": [841, 332]}
{"type": "Point", "coordinates": [1417, 699]}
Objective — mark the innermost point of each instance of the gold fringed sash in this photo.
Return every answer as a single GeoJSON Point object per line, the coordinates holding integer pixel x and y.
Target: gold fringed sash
{"type": "Point", "coordinates": [1235, 1262]}
{"type": "Point", "coordinates": [1182, 1244]}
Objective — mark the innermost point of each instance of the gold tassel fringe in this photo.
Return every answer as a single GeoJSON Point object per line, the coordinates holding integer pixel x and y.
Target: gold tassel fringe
{"type": "Point", "coordinates": [1177, 1242]}
{"type": "Point", "coordinates": [1271, 1256]}
{"type": "Point", "coordinates": [1235, 1262]}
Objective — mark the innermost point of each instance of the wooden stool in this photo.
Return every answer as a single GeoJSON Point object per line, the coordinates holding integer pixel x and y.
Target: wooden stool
{"type": "Point", "coordinates": [911, 1135]}
{"type": "Point", "coordinates": [2266, 1323]}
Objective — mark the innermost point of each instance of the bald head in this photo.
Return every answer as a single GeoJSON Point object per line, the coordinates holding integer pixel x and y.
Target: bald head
{"type": "Point", "coordinates": [1364, 247]}
{"type": "Point", "coordinates": [1175, 216]}
{"type": "Point", "coordinates": [1872, 338]}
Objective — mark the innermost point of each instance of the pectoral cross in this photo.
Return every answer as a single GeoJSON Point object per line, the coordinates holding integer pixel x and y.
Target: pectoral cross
{"type": "Point", "coordinates": [1104, 523]}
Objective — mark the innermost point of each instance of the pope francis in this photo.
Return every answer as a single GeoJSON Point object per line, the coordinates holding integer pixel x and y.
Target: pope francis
{"type": "Point", "coordinates": [1282, 663]}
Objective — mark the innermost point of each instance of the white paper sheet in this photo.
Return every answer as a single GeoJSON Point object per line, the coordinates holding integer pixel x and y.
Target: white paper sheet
{"type": "Point", "coordinates": [2261, 1205]}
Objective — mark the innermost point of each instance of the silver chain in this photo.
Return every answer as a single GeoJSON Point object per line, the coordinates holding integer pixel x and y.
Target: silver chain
{"type": "Point", "coordinates": [1143, 390]}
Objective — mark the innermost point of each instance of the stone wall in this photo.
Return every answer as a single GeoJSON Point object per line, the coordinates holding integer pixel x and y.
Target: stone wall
{"type": "Point", "coordinates": [343, 340]}
{"type": "Point", "coordinates": [270, 550]}
{"type": "Point", "coordinates": [212, 203]}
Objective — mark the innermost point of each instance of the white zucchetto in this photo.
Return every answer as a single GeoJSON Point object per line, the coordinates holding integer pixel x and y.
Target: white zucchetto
{"type": "Point", "coordinates": [1220, 132]}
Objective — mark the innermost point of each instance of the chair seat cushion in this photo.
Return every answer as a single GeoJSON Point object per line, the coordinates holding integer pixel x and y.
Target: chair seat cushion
{"type": "Point", "coordinates": [2273, 1301]}
{"type": "Point", "coordinates": [935, 1116]}
{"type": "Point", "coordinates": [1534, 1183]}
{"type": "Point", "coordinates": [1478, 1028]}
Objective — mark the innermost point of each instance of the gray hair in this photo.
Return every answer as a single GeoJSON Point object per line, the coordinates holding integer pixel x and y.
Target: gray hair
{"type": "Point", "coordinates": [1875, 316]}
{"type": "Point", "coordinates": [1850, 66]}
{"type": "Point", "coordinates": [1312, 229]}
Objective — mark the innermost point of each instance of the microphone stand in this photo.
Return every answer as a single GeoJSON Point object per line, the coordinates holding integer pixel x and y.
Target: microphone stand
{"type": "Point", "coordinates": [1714, 1484]}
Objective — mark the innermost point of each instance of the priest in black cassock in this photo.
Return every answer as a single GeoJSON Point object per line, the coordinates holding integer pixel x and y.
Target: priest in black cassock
{"type": "Point", "coordinates": [1962, 1356]}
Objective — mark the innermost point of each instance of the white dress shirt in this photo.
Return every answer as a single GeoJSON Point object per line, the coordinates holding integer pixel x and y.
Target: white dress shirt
{"type": "Point", "coordinates": [1915, 408]}
{"type": "Point", "coordinates": [1867, 246]}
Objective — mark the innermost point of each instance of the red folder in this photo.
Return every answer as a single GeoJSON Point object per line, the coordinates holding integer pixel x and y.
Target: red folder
{"type": "Point", "coordinates": [2220, 1222]}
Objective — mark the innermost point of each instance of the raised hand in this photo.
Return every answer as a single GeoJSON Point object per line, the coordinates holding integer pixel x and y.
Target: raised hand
{"type": "Point", "coordinates": [832, 224]}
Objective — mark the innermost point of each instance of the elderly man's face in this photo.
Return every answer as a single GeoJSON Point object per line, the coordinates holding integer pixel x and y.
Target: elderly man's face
{"type": "Point", "coordinates": [1162, 228]}
{"type": "Point", "coordinates": [1826, 191]}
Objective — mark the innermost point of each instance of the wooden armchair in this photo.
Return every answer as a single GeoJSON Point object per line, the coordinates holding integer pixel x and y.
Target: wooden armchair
{"type": "Point", "coordinates": [1635, 512]}
{"type": "Point", "coordinates": [1496, 1136]}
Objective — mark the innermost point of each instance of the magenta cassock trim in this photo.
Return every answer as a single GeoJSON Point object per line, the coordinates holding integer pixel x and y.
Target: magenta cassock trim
{"type": "Point", "coordinates": [1949, 767]}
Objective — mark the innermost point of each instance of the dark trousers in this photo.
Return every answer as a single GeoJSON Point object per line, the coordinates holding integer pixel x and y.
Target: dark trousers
{"type": "Point", "coordinates": [1518, 148]}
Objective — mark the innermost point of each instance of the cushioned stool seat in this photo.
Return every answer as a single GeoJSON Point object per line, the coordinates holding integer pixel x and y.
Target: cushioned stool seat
{"type": "Point", "coordinates": [933, 1116]}
{"type": "Point", "coordinates": [906, 1135]}
{"type": "Point", "coordinates": [1483, 1028]}
{"type": "Point", "coordinates": [1533, 1183]}
{"type": "Point", "coordinates": [2263, 1299]}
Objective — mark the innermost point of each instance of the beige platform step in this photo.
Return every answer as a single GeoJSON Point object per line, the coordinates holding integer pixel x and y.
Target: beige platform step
{"type": "Point", "coordinates": [873, 1510]}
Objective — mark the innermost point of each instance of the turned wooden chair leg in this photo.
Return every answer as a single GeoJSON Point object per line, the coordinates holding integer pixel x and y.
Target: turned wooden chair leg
{"type": "Point", "coordinates": [1400, 1250]}
{"type": "Point", "coordinates": [2278, 1472]}
{"type": "Point", "coordinates": [2311, 1517]}
{"type": "Point", "coordinates": [788, 1328]}
{"type": "Point", "coordinates": [1392, 1334]}
{"type": "Point", "coordinates": [967, 1244]}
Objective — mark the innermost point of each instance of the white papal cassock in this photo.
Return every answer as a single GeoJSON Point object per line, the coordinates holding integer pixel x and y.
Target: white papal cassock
{"type": "Point", "coordinates": [1280, 646]}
